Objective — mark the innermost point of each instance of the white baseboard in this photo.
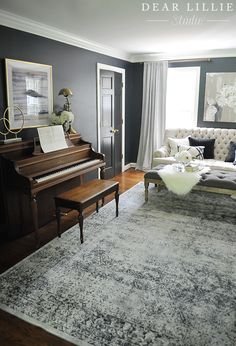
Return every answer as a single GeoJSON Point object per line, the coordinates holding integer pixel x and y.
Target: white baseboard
{"type": "Point", "coordinates": [129, 165]}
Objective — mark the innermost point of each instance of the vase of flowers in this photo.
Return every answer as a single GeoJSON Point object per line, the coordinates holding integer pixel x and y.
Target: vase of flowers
{"type": "Point", "coordinates": [183, 158]}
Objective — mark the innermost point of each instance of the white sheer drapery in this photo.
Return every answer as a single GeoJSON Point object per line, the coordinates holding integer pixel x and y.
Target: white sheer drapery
{"type": "Point", "coordinates": [153, 112]}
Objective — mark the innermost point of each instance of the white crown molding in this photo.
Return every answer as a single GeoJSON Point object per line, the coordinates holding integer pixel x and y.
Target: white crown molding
{"type": "Point", "coordinates": [25, 24]}
{"type": "Point", "coordinates": [216, 53]}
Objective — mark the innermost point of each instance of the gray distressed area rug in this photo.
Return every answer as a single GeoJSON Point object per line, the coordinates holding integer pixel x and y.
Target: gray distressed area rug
{"type": "Point", "coordinates": [162, 273]}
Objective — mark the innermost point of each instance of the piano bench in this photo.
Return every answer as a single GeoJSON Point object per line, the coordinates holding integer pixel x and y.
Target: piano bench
{"type": "Point", "coordinates": [84, 196]}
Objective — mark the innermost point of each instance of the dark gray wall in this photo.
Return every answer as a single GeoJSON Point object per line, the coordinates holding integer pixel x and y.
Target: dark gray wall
{"type": "Point", "coordinates": [215, 65]}
{"type": "Point", "coordinates": [74, 68]}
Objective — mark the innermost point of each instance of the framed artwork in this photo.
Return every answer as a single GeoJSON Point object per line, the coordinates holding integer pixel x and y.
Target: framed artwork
{"type": "Point", "coordinates": [220, 97]}
{"type": "Point", "coordinates": [29, 88]}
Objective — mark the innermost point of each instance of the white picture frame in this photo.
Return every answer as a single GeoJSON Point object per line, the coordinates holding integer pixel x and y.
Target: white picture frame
{"type": "Point", "coordinates": [29, 87]}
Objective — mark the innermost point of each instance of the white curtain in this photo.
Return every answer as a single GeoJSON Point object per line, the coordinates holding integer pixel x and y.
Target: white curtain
{"type": "Point", "coordinates": [153, 112]}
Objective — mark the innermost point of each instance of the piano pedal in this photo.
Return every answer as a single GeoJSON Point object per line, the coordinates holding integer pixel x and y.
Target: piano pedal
{"type": "Point", "coordinates": [62, 214]}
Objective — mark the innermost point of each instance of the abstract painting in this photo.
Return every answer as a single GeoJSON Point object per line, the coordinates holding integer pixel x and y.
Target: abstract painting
{"type": "Point", "coordinates": [220, 97]}
{"type": "Point", "coordinates": [29, 87]}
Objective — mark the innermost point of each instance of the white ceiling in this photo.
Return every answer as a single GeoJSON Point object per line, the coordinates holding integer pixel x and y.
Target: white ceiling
{"type": "Point", "coordinates": [120, 27]}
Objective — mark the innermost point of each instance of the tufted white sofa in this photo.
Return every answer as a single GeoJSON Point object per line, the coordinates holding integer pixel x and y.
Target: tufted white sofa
{"type": "Point", "coordinates": [222, 140]}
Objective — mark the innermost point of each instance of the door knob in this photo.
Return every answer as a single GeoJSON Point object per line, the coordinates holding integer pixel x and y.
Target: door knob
{"type": "Point", "coordinates": [114, 130]}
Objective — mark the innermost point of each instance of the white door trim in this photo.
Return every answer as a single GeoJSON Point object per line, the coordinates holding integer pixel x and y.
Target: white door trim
{"type": "Point", "coordinates": [122, 72]}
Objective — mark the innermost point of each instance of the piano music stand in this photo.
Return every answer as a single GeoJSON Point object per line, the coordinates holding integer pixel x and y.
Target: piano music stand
{"type": "Point", "coordinates": [37, 147]}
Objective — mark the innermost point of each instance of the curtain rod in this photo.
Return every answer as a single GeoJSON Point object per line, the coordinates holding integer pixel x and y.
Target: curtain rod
{"type": "Point", "coordinates": [180, 60]}
{"type": "Point", "coordinates": [190, 60]}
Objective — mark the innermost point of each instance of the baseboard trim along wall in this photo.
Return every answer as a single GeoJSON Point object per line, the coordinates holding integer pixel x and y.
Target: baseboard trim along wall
{"type": "Point", "coordinates": [129, 165]}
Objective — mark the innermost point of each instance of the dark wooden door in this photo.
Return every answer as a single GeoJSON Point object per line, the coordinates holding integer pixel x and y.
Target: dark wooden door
{"type": "Point", "coordinates": [111, 121]}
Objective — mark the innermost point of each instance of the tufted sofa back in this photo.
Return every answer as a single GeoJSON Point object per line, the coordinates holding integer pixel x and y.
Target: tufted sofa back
{"type": "Point", "coordinates": [222, 138]}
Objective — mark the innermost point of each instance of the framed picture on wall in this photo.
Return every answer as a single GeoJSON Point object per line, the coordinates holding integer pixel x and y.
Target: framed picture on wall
{"type": "Point", "coordinates": [29, 88]}
{"type": "Point", "coordinates": [220, 97]}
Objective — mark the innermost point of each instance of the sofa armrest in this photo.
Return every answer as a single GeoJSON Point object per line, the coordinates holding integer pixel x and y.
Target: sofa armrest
{"type": "Point", "coordinates": [161, 152]}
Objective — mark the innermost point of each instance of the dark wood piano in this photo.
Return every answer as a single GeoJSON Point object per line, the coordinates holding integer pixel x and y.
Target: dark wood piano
{"type": "Point", "coordinates": [30, 182]}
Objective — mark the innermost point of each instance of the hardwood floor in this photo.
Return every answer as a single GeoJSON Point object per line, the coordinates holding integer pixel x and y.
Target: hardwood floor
{"type": "Point", "coordinates": [14, 331]}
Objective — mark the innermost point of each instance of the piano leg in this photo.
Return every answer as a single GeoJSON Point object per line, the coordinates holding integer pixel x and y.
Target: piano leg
{"type": "Point", "coordinates": [58, 217]}
{"type": "Point", "coordinates": [34, 207]}
{"type": "Point", "coordinates": [102, 172]}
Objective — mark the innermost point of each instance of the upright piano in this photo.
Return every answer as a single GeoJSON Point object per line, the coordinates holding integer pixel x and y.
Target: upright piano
{"type": "Point", "coordinates": [30, 182]}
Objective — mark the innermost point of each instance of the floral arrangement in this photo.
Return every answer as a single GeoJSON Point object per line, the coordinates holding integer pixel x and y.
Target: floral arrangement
{"type": "Point", "coordinates": [63, 118]}
{"type": "Point", "coordinates": [225, 97]}
{"type": "Point", "coordinates": [183, 156]}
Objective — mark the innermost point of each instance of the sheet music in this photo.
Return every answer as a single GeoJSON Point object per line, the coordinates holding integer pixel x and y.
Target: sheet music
{"type": "Point", "coordinates": [52, 138]}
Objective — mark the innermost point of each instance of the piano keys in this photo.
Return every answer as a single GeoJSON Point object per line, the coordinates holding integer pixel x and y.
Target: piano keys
{"type": "Point", "coordinates": [68, 170]}
{"type": "Point", "coordinates": [30, 182]}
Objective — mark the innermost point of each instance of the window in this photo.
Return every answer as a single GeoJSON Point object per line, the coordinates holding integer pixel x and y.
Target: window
{"type": "Point", "coordinates": [182, 97]}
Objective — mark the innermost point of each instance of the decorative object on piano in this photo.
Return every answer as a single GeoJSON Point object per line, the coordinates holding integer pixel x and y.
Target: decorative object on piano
{"type": "Point", "coordinates": [29, 86]}
{"type": "Point", "coordinates": [8, 130]}
{"type": "Point", "coordinates": [64, 117]}
{"type": "Point", "coordinates": [66, 92]}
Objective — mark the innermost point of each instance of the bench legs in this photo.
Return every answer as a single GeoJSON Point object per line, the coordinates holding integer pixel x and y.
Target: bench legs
{"type": "Point", "coordinates": [81, 217]}
{"type": "Point", "coordinates": [80, 208]}
{"type": "Point", "coordinates": [117, 202]}
{"type": "Point", "coordinates": [146, 184]}
{"type": "Point", "coordinates": [156, 182]}
{"type": "Point", "coordinates": [81, 224]}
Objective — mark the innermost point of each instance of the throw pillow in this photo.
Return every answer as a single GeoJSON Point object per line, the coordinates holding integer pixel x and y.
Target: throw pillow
{"type": "Point", "coordinates": [174, 142]}
{"type": "Point", "coordinates": [195, 152]}
{"type": "Point", "coordinates": [231, 154]}
{"type": "Point", "coordinates": [207, 143]}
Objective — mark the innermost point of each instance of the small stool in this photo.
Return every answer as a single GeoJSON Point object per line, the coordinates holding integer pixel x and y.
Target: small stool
{"type": "Point", "coordinates": [83, 196]}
